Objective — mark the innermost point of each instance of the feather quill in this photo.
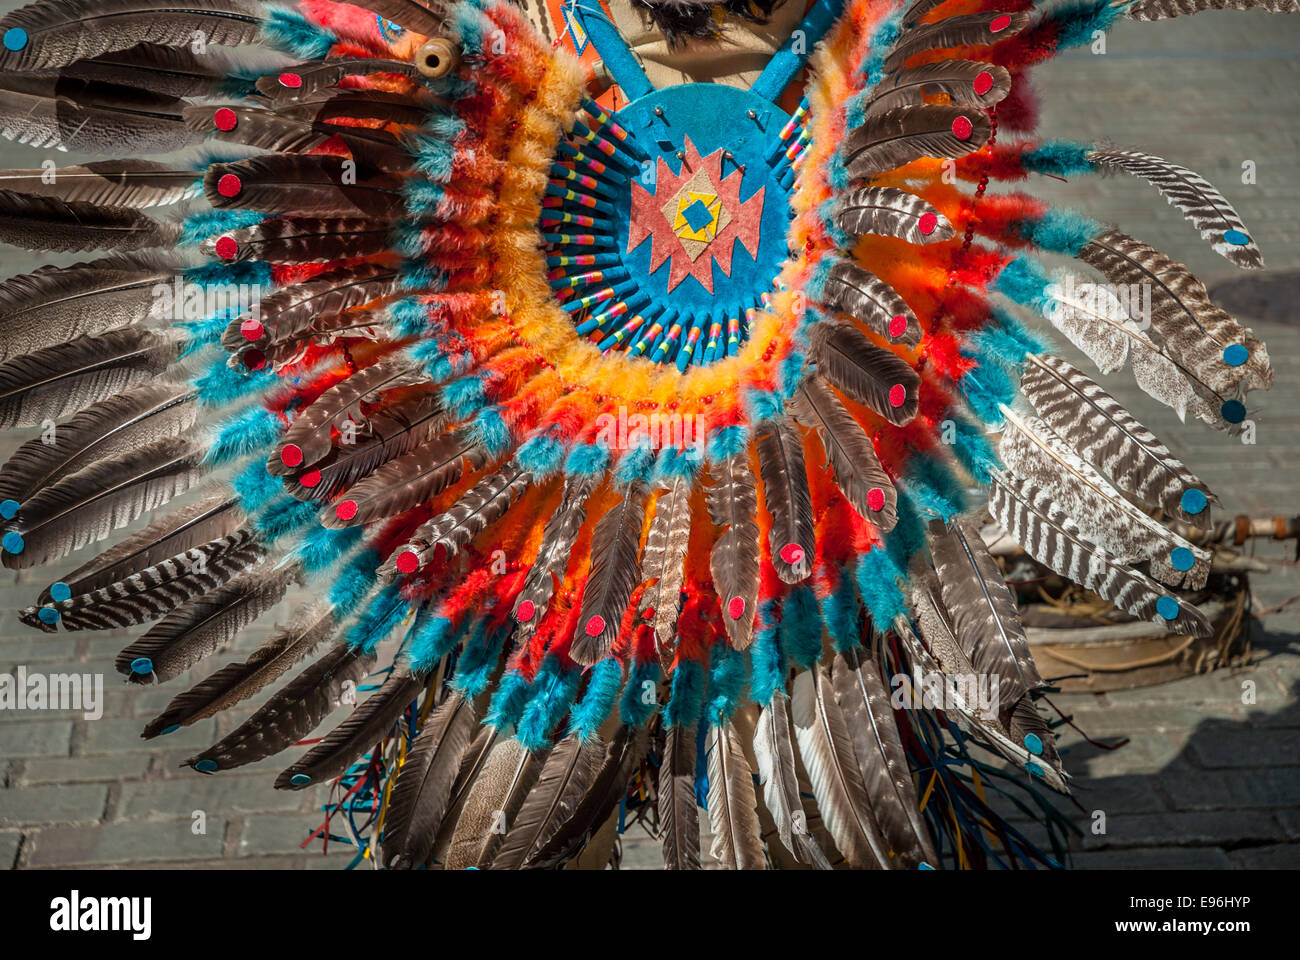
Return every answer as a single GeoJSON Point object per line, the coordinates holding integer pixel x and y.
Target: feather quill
{"type": "Point", "coordinates": [791, 538]}
{"type": "Point", "coordinates": [236, 682]}
{"type": "Point", "coordinates": [424, 782]}
{"type": "Point", "coordinates": [890, 212]}
{"type": "Point", "coordinates": [615, 556]}
{"type": "Point", "coordinates": [872, 302]}
{"type": "Point", "coordinates": [1110, 438]}
{"type": "Point", "coordinates": [201, 627]}
{"type": "Point", "coordinates": [732, 500]}
{"type": "Point", "coordinates": [1049, 536]}
{"type": "Point", "coordinates": [849, 453]}
{"type": "Point", "coordinates": [359, 732]}
{"type": "Point", "coordinates": [293, 712]}
{"type": "Point", "coordinates": [877, 378]}
{"type": "Point", "coordinates": [494, 800]}
{"type": "Point", "coordinates": [679, 815]}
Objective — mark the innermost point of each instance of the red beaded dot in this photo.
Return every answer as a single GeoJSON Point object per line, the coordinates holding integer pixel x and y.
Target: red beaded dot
{"type": "Point", "coordinates": [897, 395]}
{"type": "Point", "coordinates": [897, 325]}
{"type": "Point", "coordinates": [225, 119]}
{"type": "Point", "coordinates": [227, 248]}
{"type": "Point", "coordinates": [1000, 23]}
{"type": "Point", "coordinates": [346, 510]}
{"type": "Point", "coordinates": [408, 561]}
{"type": "Point", "coordinates": [254, 359]}
{"type": "Point", "coordinates": [310, 479]}
{"type": "Point", "coordinates": [927, 223]}
{"type": "Point", "coordinates": [526, 611]}
{"type": "Point", "coordinates": [291, 80]}
{"type": "Point", "coordinates": [595, 626]}
{"type": "Point", "coordinates": [875, 499]}
{"type": "Point", "coordinates": [291, 454]}
{"type": "Point", "coordinates": [961, 128]}
{"type": "Point", "coordinates": [792, 553]}
{"type": "Point", "coordinates": [736, 608]}
{"type": "Point", "coordinates": [251, 330]}
{"type": "Point", "coordinates": [229, 185]}
{"type": "Point", "coordinates": [983, 83]}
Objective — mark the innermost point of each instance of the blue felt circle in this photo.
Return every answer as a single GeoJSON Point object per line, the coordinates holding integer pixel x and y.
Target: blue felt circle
{"type": "Point", "coordinates": [60, 591]}
{"type": "Point", "coordinates": [15, 38]}
{"type": "Point", "coordinates": [13, 542]}
{"type": "Point", "coordinates": [1182, 558]}
{"type": "Point", "coordinates": [1193, 501]}
{"type": "Point", "coordinates": [1236, 238]}
{"type": "Point", "coordinates": [142, 665]}
{"type": "Point", "coordinates": [1167, 607]}
{"type": "Point", "coordinates": [1033, 744]}
{"type": "Point", "coordinates": [1235, 355]}
{"type": "Point", "coordinates": [9, 509]}
{"type": "Point", "coordinates": [1234, 411]}
{"type": "Point", "coordinates": [48, 615]}
{"type": "Point", "coordinates": [172, 729]}
{"type": "Point", "coordinates": [1034, 768]}
{"type": "Point", "coordinates": [300, 779]}
{"type": "Point", "coordinates": [206, 766]}
{"type": "Point", "coordinates": [924, 866]}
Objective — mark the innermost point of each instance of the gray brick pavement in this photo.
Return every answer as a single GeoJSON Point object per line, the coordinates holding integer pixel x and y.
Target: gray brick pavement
{"type": "Point", "coordinates": [1207, 783]}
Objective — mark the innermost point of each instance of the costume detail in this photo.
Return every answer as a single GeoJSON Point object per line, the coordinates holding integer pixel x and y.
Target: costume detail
{"type": "Point", "coordinates": [640, 421]}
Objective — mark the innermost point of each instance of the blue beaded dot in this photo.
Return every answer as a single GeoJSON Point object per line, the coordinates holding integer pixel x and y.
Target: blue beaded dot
{"type": "Point", "coordinates": [1234, 411]}
{"type": "Point", "coordinates": [1235, 355]}
{"type": "Point", "coordinates": [15, 38]}
{"type": "Point", "coordinates": [1236, 238]}
{"type": "Point", "coordinates": [60, 591]}
{"type": "Point", "coordinates": [300, 779]}
{"type": "Point", "coordinates": [9, 509]}
{"type": "Point", "coordinates": [142, 665]}
{"type": "Point", "coordinates": [172, 729]}
{"type": "Point", "coordinates": [1167, 607]}
{"type": "Point", "coordinates": [1182, 558]}
{"type": "Point", "coordinates": [1033, 744]}
{"type": "Point", "coordinates": [1193, 501]}
{"type": "Point", "coordinates": [924, 866]}
{"type": "Point", "coordinates": [48, 615]}
{"type": "Point", "coordinates": [206, 766]}
{"type": "Point", "coordinates": [13, 542]}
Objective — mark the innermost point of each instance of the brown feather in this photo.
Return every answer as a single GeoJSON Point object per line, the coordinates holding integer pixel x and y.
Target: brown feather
{"type": "Point", "coordinates": [791, 537]}
{"type": "Point", "coordinates": [732, 499]}
{"type": "Point", "coordinates": [615, 554]}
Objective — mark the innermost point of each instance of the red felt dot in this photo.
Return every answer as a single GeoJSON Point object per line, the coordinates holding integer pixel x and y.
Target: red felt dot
{"type": "Point", "coordinates": [927, 223]}
{"type": "Point", "coordinates": [225, 119]}
{"type": "Point", "coordinates": [649, 613]}
{"type": "Point", "coordinates": [291, 454]}
{"type": "Point", "coordinates": [229, 185]}
{"type": "Point", "coordinates": [346, 510]}
{"type": "Point", "coordinates": [792, 553]}
{"type": "Point", "coordinates": [227, 248]}
{"type": "Point", "coordinates": [408, 561]}
{"type": "Point", "coordinates": [526, 611]}
{"type": "Point", "coordinates": [736, 608]}
{"type": "Point", "coordinates": [875, 499]}
{"type": "Point", "coordinates": [983, 83]}
{"type": "Point", "coordinates": [897, 326]}
{"type": "Point", "coordinates": [897, 395]}
{"type": "Point", "coordinates": [291, 80]}
{"type": "Point", "coordinates": [254, 359]}
{"type": "Point", "coordinates": [595, 626]}
{"type": "Point", "coordinates": [251, 330]}
{"type": "Point", "coordinates": [310, 479]}
{"type": "Point", "coordinates": [999, 23]}
{"type": "Point", "coordinates": [961, 128]}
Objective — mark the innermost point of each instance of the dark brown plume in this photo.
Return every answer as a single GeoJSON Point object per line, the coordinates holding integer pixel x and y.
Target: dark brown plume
{"type": "Point", "coordinates": [897, 137]}
{"type": "Point", "coordinates": [292, 713]}
{"type": "Point", "coordinates": [311, 186]}
{"type": "Point", "coordinates": [615, 552]}
{"type": "Point", "coordinates": [872, 376]}
{"type": "Point", "coordinates": [46, 223]}
{"type": "Point", "coordinates": [791, 538]}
